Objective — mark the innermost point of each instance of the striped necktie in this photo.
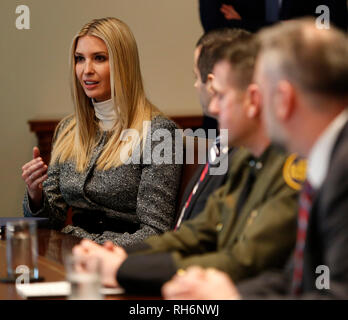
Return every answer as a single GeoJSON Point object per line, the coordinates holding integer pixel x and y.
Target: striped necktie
{"type": "Point", "coordinates": [305, 205]}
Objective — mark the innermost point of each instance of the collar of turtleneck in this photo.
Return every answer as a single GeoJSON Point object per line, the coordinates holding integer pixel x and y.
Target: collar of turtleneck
{"type": "Point", "coordinates": [105, 112]}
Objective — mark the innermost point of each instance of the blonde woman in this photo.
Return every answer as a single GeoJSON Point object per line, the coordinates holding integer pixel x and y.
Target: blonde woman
{"type": "Point", "coordinates": [110, 199]}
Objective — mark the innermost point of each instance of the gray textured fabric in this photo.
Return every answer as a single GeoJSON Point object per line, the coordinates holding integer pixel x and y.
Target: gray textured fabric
{"type": "Point", "coordinates": [126, 204]}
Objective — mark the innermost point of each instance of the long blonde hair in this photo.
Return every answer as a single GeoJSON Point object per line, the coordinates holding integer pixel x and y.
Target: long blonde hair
{"type": "Point", "coordinates": [77, 139]}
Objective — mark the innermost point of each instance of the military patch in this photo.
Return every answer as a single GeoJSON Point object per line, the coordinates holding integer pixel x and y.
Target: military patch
{"type": "Point", "coordinates": [294, 171]}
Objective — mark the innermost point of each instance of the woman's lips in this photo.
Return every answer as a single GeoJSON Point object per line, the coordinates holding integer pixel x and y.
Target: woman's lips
{"type": "Point", "coordinates": [90, 84]}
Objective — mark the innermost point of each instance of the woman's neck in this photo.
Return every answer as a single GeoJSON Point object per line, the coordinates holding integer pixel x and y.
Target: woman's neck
{"type": "Point", "coordinates": [105, 112]}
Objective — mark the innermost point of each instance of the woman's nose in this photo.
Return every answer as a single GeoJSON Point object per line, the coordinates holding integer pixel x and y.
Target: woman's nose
{"type": "Point", "coordinates": [88, 68]}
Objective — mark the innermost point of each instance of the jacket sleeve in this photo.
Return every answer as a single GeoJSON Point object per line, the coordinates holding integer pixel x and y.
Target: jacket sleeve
{"type": "Point", "coordinates": [157, 193]}
{"type": "Point", "coordinates": [54, 206]}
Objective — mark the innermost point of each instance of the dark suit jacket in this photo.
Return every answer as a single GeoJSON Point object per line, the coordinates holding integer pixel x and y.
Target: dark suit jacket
{"type": "Point", "coordinates": [253, 13]}
{"type": "Point", "coordinates": [326, 242]}
{"type": "Point", "coordinates": [205, 189]}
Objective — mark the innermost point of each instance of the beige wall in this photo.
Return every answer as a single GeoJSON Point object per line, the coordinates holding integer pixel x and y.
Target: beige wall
{"type": "Point", "coordinates": [34, 68]}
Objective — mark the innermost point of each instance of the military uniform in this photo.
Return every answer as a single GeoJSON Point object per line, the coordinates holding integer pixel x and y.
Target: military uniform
{"type": "Point", "coordinates": [247, 226]}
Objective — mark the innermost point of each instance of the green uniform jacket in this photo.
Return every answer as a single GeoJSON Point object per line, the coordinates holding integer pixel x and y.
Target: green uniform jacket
{"type": "Point", "coordinates": [261, 236]}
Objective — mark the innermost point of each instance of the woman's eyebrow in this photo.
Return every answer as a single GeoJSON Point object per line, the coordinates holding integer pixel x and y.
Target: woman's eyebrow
{"type": "Point", "coordinates": [100, 52]}
{"type": "Point", "coordinates": [94, 53]}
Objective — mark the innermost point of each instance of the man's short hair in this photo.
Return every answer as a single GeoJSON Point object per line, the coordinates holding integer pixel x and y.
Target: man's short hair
{"type": "Point", "coordinates": [209, 42]}
{"type": "Point", "coordinates": [316, 60]}
{"type": "Point", "coordinates": [240, 52]}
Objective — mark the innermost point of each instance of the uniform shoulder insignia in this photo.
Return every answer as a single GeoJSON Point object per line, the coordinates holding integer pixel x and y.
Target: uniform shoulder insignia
{"type": "Point", "coordinates": [294, 171]}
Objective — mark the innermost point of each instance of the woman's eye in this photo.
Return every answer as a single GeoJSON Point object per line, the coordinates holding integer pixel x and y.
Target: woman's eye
{"type": "Point", "coordinates": [100, 58]}
{"type": "Point", "coordinates": [78, 59]}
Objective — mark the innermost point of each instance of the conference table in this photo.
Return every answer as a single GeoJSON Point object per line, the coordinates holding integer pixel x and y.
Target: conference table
{"type": "Point", "coordinates": [53, 246]}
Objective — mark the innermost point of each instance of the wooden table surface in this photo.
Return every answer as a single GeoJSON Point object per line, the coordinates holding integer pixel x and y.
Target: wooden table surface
{"type": "Point", "coordinates": [53, 246]}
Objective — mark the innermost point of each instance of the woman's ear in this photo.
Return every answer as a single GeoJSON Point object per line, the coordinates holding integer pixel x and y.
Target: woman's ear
{"type": "Point", "coordinates": [252, 100]}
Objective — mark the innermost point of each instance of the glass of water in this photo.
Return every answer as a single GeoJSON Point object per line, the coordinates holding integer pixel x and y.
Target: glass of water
{"type": "Point", "coordinates": [22, 250]}
{"type": "Point", "coordinates": [84, 278]}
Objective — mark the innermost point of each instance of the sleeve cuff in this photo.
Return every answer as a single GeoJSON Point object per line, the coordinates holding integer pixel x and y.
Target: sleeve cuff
{"type": "Point", "coordinates": [26, 206]}
{"type": "Point", "coordinates": [145, 274]}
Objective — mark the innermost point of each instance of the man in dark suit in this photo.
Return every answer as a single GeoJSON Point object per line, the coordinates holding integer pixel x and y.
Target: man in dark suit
{"type": "Point", "coordinates": [203, 184]}
{"type": "Point", "coordinates": [253, 15]}
{"type": "Point", "coordinates": [305, 95]}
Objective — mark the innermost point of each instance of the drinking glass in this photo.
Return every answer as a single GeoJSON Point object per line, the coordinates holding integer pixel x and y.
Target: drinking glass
{"type": "Point", "coordinates": [22, 249]}
{"type": "Point", "coordinates": [84, 278]}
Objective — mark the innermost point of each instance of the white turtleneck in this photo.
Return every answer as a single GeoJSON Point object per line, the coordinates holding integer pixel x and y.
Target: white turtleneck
{"type": "Point", "coordinates": [106, 114]}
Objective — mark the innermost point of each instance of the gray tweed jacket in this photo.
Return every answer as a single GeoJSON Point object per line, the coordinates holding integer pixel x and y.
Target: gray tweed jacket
{"type": "Point", "coordinates": [126, 204]}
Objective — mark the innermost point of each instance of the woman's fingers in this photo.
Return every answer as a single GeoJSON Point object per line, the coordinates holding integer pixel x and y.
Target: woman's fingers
{"type": "Point", "coordinates": [34, 174]}
{"type": "Point", "coordinates": [33, 168]}
{"type": "Point", "coordinates": [34, 177]}
{"type": "Point", "coordinates": [37, 184]}
{"type": "Point", "coordinates": [31, 163]}
{"type": "Point", "coordinates": [38, 172]}
{"type": "Point", "coordinates": [30, 179]}
{"type": "Point", "coordinates": [36, 152]}
{"type": "Point", "coordinates": [36, 159]}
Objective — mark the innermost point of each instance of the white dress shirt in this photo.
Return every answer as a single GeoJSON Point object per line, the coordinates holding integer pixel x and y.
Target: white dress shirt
{"type": "Point", "coordinates": [320, 154]}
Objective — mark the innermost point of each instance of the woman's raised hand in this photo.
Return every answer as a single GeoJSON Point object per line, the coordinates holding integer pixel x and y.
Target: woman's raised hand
{"type": "Point", "coordinates": [34, 174]}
